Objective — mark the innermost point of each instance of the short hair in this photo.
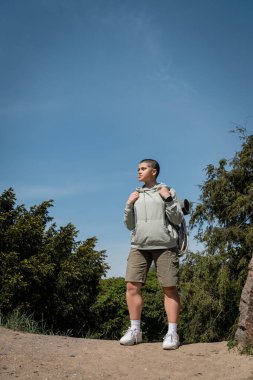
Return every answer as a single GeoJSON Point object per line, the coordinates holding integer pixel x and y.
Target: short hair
{"type": "Point", "coordinates": [154, 165]}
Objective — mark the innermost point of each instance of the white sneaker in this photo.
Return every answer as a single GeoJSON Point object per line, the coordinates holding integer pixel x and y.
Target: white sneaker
{"type": "Point", "coordinates": [131, 337]}
{"type": "Point", "coordinates": [171, 341]}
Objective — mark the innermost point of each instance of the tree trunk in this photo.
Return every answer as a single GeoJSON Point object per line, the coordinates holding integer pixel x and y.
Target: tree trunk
{"type": "Point", "coordinates": [244, 333]}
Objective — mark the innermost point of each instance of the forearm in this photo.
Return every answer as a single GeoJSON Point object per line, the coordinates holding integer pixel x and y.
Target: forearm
{"type": "Point", "coordinates": [173, 209]}
{"type": "Point", "coordinates": [129, 218]}
{"type": "Point", "coordinates": [174, 212]}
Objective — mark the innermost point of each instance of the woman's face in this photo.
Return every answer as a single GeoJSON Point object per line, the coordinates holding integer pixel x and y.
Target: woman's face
{"type": "Point", "coordinates": [146, 173]}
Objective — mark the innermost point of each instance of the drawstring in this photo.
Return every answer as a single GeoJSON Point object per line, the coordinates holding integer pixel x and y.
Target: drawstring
{"type": "Point", "coordinates": [145, 207]}
{"type": "Point", "coordinates": [140, 190]}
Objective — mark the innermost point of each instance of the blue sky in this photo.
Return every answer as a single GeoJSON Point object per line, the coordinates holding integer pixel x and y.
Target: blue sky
{"type": "Point", "coordinates": [89, 88]}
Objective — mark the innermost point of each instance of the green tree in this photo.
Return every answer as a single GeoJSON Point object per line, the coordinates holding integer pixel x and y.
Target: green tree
{"type": "Point", "coordinates": [44, 271]}
{"type": "Point", "coordinates": [77, 288]}
{"type": "Point", "coordinates": [212, 281]}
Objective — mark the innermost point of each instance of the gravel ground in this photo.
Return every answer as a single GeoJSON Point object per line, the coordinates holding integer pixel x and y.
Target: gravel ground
{"type": "Point", "coordinates": [43, 357]}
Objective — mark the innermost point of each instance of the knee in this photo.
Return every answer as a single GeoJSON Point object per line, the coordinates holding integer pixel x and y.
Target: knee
{"type": "Point", "coordinates": [170, 290]}
{"type": "Point", "coordinates": [133, 288]}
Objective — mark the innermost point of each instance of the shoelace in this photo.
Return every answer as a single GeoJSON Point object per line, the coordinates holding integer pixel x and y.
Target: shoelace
{"type": "Point", "coordinates": [168, 335]}
{"type": "Point", "coordinates": [134, 333]}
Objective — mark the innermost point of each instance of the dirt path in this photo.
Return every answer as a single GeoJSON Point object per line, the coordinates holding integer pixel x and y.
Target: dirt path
{"type": "Point", "coordinates": [41, 357]}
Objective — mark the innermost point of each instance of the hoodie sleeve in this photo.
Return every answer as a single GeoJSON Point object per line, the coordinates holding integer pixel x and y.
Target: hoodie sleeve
{"type": "Point", "coordinates": [129, 218]}
{"type": "Point", "coordinates": [173, 209]}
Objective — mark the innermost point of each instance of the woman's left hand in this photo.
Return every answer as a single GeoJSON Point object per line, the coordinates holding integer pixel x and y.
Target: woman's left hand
{"type": "Point", "coordinates": [164, 192]}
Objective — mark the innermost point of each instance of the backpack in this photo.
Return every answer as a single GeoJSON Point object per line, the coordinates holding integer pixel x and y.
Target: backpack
{"type": "Point", "coordinates": [182, 230]}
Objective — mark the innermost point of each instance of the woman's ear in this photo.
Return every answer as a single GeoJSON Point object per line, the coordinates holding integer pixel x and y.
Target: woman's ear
{"type": "Point", "coordinates": [154, 172]}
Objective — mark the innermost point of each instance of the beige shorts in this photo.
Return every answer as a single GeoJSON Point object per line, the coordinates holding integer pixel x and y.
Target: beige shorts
{"type": "Point", "coordinates": [166, 263]}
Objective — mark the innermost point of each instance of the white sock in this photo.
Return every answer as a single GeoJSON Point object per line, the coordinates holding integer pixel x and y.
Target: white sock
{"type": "Point", "coordinates": [136, 324]}
{"type": "Point", "coordinates": [172, 328]}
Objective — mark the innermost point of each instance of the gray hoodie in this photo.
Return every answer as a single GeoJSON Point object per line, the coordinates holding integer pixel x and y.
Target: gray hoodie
{"type": "Point", "coordinates": [149, 219]}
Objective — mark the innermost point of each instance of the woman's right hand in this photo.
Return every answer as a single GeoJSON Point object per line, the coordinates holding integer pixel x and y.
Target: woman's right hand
{"type": "Point", "coordinates": [133, 197]}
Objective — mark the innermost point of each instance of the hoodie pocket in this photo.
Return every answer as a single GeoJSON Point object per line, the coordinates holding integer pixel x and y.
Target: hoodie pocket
{"type": "Point", "coordinates": [151, 233]}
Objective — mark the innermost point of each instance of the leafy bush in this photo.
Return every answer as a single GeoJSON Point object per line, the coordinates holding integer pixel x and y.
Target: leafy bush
{"type": "Point", "coordinates": [45, 272]}
{"type": "Point", "coordinates": [209, 298]}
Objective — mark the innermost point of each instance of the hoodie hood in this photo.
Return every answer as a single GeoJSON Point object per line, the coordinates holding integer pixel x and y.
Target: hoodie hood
{"type": "Point", "coordinates": [153, 189]}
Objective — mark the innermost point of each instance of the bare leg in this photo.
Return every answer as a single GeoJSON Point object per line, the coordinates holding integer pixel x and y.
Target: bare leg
{"type": "Point", "coordinates": [135, 303]}
{"type": "Point", "coordinates": [172, 307]}
{"type": "Point", "coordinates": [171, 303]}
{"type": "Point", "coordinates": [134, 299]}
